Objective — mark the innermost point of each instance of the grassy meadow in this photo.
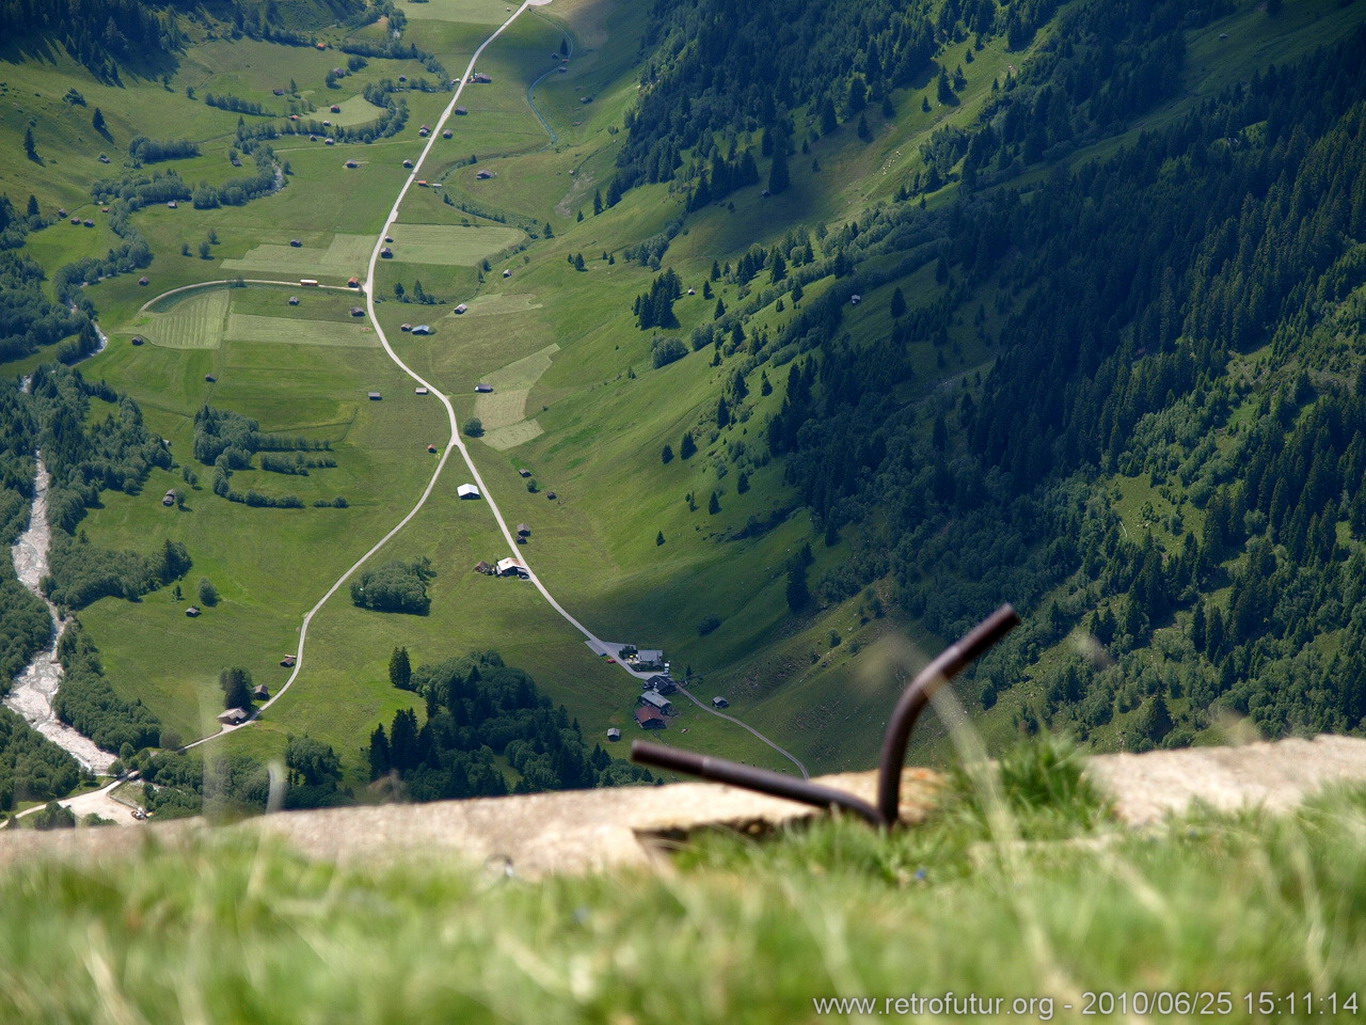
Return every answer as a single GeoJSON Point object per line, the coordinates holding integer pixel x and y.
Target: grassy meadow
{"type": "Point", "coordinates": [1033, 902]}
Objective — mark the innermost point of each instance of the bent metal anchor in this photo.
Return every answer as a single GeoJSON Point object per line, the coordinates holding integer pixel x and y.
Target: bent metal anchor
{"type": "Point", "coordinates": [950, 662]}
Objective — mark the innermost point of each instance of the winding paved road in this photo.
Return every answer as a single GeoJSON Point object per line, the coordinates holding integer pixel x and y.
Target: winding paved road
{"type": "Point", "coordinates": [456, 444]}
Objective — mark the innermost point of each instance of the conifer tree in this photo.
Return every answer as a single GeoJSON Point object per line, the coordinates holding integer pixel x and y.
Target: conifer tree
{"type": "Point", "coordinates": [400, 669]}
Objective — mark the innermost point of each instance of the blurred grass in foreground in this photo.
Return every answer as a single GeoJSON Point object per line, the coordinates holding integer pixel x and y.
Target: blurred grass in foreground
{"type": "Point", "coordinates": [1066, 902]}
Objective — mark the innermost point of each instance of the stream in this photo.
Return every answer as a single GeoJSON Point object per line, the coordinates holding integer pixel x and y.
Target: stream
{"type": "Point", "coordinates": [32, 691]}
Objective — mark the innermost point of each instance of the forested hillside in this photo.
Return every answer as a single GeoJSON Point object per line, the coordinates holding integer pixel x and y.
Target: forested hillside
{"type": "Point", "coordinates": [146, 38]}
{"type": "Point", "coordinates": [1178, 315]}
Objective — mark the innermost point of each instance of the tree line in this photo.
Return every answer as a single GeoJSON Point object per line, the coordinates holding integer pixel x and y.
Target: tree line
{"type": "Point", "coordinates": [101, 34]}
{"type": "Point", "coordinates": [477, 709]}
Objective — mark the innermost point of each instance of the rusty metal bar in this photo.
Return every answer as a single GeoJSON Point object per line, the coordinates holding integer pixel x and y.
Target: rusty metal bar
{"type": "Point", "coordinates": [948, 664]}
{"type": "Point", "coordinates": [765, 781]}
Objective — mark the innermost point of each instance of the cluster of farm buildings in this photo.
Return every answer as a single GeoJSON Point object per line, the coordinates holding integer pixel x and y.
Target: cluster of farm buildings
{"type": "Point", "coordinates": [653, 707]}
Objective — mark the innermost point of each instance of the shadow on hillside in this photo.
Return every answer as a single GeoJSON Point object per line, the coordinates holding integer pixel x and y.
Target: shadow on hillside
{"type": "Point", "coordinates": [39, 49]}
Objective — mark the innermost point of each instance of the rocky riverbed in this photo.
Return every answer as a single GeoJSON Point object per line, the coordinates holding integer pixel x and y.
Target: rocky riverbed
{"type": "Point", "coordinates": [33, 690]}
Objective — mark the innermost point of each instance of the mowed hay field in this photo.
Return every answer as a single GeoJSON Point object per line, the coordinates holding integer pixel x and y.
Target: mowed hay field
{"type": "Point", "coordinates": [247, 327]}
{"type": "Point", "coordinates": [192, 320]}
{"type": "Point", "coordinates": [472, 12]}
{"type": "Point", "coordinates": [451, 243]}
{"type": "Point", "coordinates": [344, 256]}
{"type": "Point", "coordinates": [496, 304]}
{"type": "Point", "coordinates": [206, 318]}
{"type": "Point", "coordinates": [356, 110]}
{"type": "Point", "coordinates": [503, 412]}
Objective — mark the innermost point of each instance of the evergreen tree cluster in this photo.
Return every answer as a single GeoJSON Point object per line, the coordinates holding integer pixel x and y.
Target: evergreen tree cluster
{"type": "Point", "coordinates": [479, 709]}
{"type": "Point", "coordinates": [720, 64]}
{"type": "Point", "coordinates": [88, 453]}
{"type": "Point", "coordinates": [32, 768]}
{"type": "Point", "coordinates": [719, 68]}
{"type": "Point", "coordinates": [101, 34]}
{"type": "Point", "coordinates": [1128, 287]}
{"type": "Point", "coordinates": [655, 308]}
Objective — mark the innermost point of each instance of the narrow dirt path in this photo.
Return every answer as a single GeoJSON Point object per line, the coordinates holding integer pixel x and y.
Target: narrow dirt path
{"type": "Point", "coordinates": [744, 726]}
{"type": "Point", "coordinates": [531, 95]}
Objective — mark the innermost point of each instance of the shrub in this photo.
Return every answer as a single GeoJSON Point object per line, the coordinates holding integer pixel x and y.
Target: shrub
{"type": "Point", "coordinates": [708, 624]}
{"type": "Point", "coordinates": [666, 351]}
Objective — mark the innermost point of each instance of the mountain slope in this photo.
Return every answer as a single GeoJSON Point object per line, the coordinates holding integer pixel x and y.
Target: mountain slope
{"type": "Point", "coordinates": [952, 304]}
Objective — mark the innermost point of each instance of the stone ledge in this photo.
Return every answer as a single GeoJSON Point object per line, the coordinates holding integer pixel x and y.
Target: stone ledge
{"type": "Point", "coordinates": [592, 830]}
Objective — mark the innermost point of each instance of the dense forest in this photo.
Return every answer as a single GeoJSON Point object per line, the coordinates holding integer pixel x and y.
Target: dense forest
{"type": "Point", "coordinates": [85, 454]}
{"type": "Point", "coordinates": [479, 711]}
{"type": "Point", "coordinates": [186, 783]}
{"type": "Point", "coordinates": [101, 34]}
{"type": "Point", "coordinates": [722, 74]}
{"type": "Point", "coordinates": [1125, 295]}
{"type": "Point", "coordinates": [32, 768]}
{"type": "Point", "coordinates": [110, 36]}
{"type": "Point", "coordinates": [94, 440]}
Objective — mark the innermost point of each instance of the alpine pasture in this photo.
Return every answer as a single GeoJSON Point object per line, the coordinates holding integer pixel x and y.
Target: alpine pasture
{"type": "Point", "coordinates": [307, 369]}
